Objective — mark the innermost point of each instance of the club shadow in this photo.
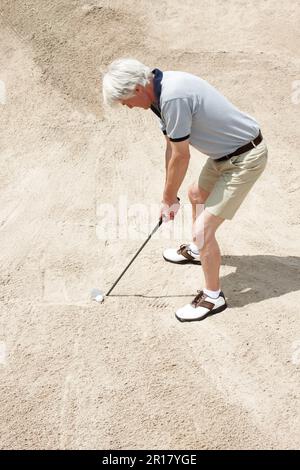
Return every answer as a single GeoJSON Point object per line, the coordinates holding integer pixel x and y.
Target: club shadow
{"type": "Point", "coordinates": [152, 296]}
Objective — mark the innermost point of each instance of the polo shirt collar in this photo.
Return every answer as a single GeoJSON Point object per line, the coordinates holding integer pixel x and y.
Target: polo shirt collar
{"type": "Point", "coordinates": [158, 75]}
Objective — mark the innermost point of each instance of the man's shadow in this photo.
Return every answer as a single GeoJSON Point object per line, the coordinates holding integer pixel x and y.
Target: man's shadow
{"type": "Point", "coordinates": [259, 277]}
{"type": "Point", "coordinates": [255, 278]}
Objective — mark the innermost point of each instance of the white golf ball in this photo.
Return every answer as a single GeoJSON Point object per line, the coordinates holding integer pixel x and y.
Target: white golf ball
{"type": "Point", "coordinates": [97, 295]}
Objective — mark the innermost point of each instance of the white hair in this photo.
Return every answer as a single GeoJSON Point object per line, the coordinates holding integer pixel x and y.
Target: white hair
{"type": "Point", "coordinates": [121, 79]}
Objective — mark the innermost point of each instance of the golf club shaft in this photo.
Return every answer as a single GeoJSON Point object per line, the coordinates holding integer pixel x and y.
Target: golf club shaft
{"type": "Point", "coordinates": [139, 250]}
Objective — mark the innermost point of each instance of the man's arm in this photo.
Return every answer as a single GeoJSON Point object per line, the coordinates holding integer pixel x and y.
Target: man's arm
{"type": "Point", "coordinates": [178, 163]}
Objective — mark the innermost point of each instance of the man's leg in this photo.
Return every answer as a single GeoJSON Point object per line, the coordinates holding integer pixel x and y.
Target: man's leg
{"type": "Point", "coordinates": [188, 253]}
{"type": "Point", "coordinates": [211, 299]}
{"type": "Point", "coordinates": [197, 197]}
{"type": "Point", "coordinates": [205, 228]}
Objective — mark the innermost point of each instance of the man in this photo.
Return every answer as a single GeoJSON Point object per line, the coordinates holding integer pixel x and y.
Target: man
{"type": "Point", "coordinates": [192, 112]}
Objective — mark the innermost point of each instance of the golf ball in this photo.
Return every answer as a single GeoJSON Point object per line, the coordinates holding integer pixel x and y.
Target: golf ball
{"type": "Point", "coordinates": [97, 295]}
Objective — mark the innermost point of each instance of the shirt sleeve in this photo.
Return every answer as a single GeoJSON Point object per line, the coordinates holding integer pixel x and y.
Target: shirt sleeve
{"type": "Point", "coordinates": [177, 116]}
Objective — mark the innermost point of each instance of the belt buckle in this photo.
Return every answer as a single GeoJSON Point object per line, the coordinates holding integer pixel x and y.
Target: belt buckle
{"type": "Point", "coordinates": [252, 142]}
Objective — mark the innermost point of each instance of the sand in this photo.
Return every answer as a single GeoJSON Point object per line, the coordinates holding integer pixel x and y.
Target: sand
{"type": "Point", "coordinates": [76, 374]}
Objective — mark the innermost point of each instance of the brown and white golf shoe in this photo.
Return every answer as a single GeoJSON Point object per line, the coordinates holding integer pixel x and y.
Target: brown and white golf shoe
{"type": "Point", "coordinates": [201, 307]}
{"type": "Point", "coordinates": [186, 254]}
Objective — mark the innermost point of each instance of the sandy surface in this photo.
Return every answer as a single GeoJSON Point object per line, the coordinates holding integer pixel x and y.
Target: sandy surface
{"type": "Point", "coordinates": [126, 374]}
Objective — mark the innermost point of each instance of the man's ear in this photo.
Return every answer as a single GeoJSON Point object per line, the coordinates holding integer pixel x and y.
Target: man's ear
{"type": "Point", "coordinates": [138, 88]}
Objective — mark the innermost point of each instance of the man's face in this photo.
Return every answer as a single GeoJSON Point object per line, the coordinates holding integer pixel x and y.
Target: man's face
{"type": "Point", "coordinates": [141, 99]}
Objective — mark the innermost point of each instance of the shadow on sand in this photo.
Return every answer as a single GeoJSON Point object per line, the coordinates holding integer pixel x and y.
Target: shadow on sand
{"type": "Point", "coordinates": [255, 278]}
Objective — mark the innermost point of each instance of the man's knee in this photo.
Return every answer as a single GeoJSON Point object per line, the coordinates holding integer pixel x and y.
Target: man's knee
{"type": "Point", "coordinates": [197, 195]}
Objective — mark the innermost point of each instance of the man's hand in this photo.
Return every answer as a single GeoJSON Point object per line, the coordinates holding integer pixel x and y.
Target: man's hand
{"type": "Point", "coordinates": [169, 209]}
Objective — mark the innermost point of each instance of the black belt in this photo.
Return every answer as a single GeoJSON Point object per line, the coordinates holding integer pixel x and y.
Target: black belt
{"type": "Point", "coordinates": [244, 148]}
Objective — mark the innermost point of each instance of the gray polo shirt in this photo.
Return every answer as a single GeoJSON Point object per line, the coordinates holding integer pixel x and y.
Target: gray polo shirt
{"type": "Point", "coordinates": [192, 108]}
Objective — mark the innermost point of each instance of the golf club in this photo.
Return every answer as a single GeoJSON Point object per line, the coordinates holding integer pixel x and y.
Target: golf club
{"type": "Point", "coordinates": [97, 294]}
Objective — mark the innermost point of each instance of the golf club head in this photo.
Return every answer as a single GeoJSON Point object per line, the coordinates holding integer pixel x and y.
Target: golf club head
{"type": "Point", "coordinates": [97, 295]}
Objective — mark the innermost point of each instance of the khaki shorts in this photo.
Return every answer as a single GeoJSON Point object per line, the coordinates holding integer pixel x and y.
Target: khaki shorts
{"type": "Point", "coordinates": [229, 181]}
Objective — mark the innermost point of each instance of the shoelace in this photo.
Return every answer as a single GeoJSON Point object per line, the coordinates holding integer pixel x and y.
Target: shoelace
{"type": "Point", "coordinates": [182, 247]}
{"type": "Point", "coordinates": [199, 297]}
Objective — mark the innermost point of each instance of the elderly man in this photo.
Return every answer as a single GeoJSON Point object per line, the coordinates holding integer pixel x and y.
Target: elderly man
{"type": "Point", "coordinates": [192, 112]}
